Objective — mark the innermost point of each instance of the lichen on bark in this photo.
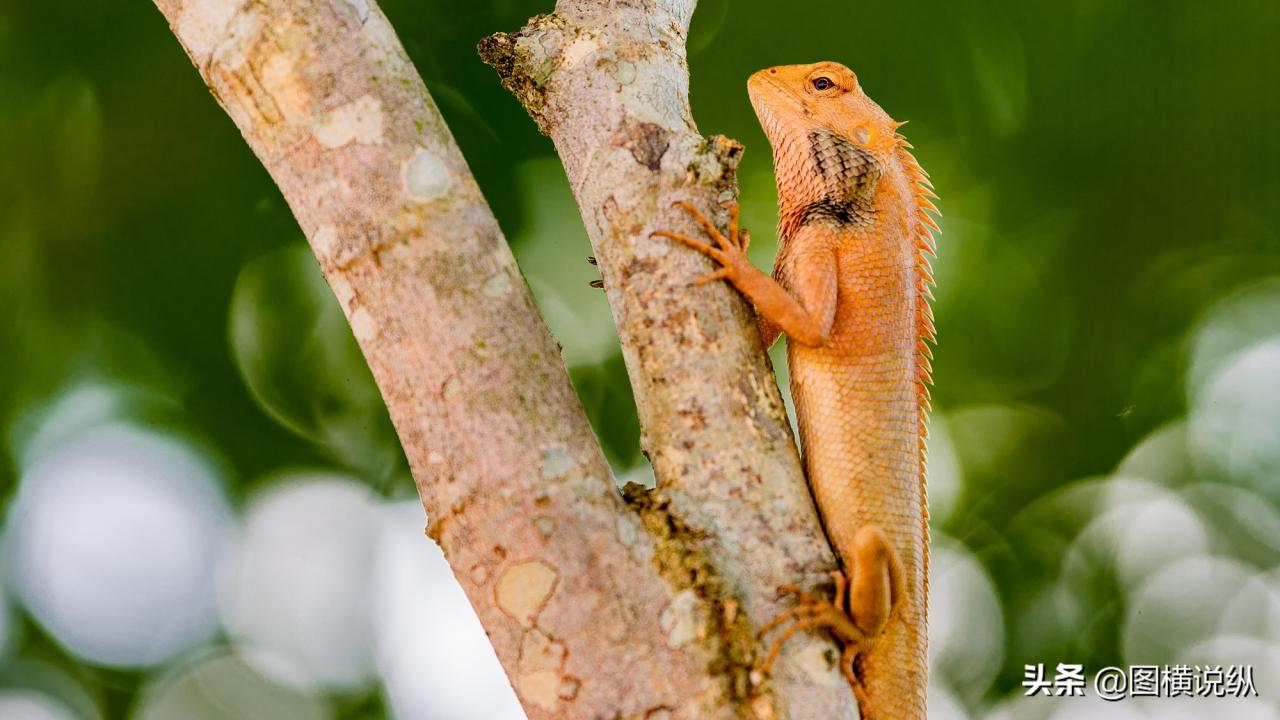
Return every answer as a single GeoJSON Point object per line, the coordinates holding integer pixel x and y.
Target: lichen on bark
{"type": "Point", "coordinates": [721, 625]}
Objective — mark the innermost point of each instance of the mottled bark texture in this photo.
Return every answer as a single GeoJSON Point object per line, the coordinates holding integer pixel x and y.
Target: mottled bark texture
{"type": "Point", "coordinates": [608, 82]}
{"type": "Point", "coordinates": [596, 609]}
{"type": "Point", "coordinates": [561, 572]}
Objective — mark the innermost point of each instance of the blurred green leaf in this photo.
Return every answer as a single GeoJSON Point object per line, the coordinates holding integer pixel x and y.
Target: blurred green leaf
{"type": "Point", "coordinates": [295, 351]}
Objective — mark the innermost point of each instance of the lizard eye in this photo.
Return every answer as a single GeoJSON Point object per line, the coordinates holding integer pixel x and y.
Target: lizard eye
{"type": "Point", "coordinates": [822, 83]}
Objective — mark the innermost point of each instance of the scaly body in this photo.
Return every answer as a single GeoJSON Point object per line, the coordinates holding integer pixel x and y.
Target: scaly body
{"type": "Point", "coordinates": [850, 288]}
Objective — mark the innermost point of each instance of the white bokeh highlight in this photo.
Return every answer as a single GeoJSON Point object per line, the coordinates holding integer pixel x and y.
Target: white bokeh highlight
{"type": "Point", "coordinates": [1140, 528]}
{"type": "Point", "coordinates": [1094, 708]}
{"type": "Point", "coordinates": [220, 685]}
{"type": "Point", "coordinates": [1261, 655]}
{"type": "Point", "coordinates": [1242, 319]}
{"type": "Point", "coordinates": [1162, 457]}
{"type": "Point", "coordinates": [432, 652]}
{"type": "Point", "coordinates": [943, 705]}
{"type": "Point", "coordinates": [8, 626]}
{"type": "Point", "coordinates": [946, 479]}
{"type": "Point", "coordinates": [1182, 604]}
{"type": "Point", "coordinates": [24, 704]}
{"type": "Point", "coordinates": [1019, 707]}
{"type": "Point", "coordinates": [1241, 514]}
{"type": "Point", "coordinates": [112, 543]}
{"type": "Point", "coordinates": [1235, 418]}
{"type": "Point", "coordinates": [295, 596]}
{"type": "Point", "coordinates": [966, 625]}
{"type": "Point", "coordinates": [41, 427]}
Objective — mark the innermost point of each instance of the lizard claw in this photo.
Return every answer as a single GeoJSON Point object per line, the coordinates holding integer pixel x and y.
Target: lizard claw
{"type": "Point", "coordinates": [698, 245]}
{"type": "Point", "coordinates": [706, 224]}
{"type": "Point", "coordinates": [726, 241]}
{"type": "Point", "coordinates": [857, 613]}
{"type": "Point", "coordinates": [729, 249]}
{"type": "Point", "coordinates": [719, 274]}
{"type": "Point", "coordinates": [811, 611]}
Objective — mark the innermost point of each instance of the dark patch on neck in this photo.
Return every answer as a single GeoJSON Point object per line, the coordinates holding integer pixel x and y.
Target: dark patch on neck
{"type": "Point", "coordinates": [849, 174]}
{"type": "Point", "coordinates": [834, 212]}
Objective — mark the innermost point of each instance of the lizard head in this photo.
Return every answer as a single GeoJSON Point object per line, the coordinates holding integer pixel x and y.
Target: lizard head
{"type": "Point", "coordinates": [831, 143]}
{"type": "Point", "coordinates": [793, 100]}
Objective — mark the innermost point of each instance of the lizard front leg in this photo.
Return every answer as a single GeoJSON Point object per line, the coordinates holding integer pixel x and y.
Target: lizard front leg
{"type": "Point", "coordinates": [805, 314]}
{"type": "Point", "coordinates": [801, 301]}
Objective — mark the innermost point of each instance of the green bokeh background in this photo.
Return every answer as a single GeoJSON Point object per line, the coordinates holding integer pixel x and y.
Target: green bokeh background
{"type": "Point", "coordinates": [1108, 173]}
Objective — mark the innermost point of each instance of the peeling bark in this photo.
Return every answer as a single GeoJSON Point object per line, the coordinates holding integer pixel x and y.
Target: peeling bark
{"type": "Point", "coordinates": [560, 571]}
{"type": "Point", "coordinates": [608, 82]}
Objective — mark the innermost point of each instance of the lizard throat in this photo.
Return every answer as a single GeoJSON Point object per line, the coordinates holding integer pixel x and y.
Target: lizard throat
{"type": "Point", "coordinates": [823, 177]}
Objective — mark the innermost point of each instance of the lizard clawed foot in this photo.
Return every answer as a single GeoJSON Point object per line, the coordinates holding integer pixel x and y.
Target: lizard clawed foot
{"type": "Point", "coordinates": [729, 250]}
{"type": "Point", "coordinates": [857, 614]}
{"type": "Point", "coordinates": [829, 615]}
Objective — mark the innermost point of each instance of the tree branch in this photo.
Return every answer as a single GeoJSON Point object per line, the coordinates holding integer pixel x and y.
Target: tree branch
{"type": "Point", "coordinates": [608, 82]}
{"type": "Point", "coordinates": [562, 575]}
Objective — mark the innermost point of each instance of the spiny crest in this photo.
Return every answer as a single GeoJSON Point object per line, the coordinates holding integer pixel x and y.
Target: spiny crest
{"type": "Point", "coordinates": [925, 246]}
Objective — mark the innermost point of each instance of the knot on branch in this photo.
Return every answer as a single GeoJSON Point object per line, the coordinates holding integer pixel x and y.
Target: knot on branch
{"type": "Point", "coordinates": [715, 162]}
{"type": "Point", "coordinates": [648, 142]}
{"type": "Point", "coordinates": [524, 61]}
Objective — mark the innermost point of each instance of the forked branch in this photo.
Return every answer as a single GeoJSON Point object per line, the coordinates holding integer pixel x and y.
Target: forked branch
{"type": "Point", "coordinates": [595, 610]}
{"type": "Point", "coordinates": [609, 83]}
{"type": "Point", "coordinates": [559, 571]}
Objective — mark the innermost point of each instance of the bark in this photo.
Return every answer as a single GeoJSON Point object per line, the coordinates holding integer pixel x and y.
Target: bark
{"type": "Point", "coordinates": [608, 82]}
{"type": "Point", "coordinates": [561, 573]}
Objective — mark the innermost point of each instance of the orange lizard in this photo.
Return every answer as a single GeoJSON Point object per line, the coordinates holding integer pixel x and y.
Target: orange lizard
{"type": "Point", "coordinates": [850, 289]}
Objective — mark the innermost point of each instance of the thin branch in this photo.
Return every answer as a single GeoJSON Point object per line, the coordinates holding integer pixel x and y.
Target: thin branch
{"type": "Point", "coordinates": [561, 574]}
{"type": "Point", "coordinates": [608, 82]}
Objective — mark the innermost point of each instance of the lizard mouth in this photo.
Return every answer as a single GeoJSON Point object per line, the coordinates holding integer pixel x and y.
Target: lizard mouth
{"type": "Point", "coordinates": [765, 81]}
{"type": "Point", "coordinates": [768, 95]}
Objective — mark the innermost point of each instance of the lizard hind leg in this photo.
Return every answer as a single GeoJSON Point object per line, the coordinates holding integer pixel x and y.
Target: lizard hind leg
{"type": "Point", "coordinates": [877, 580]}
{"type": "Point", "coordinates": [858, 609]}
{"type": "Point", "coordinates": [811, 611]}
